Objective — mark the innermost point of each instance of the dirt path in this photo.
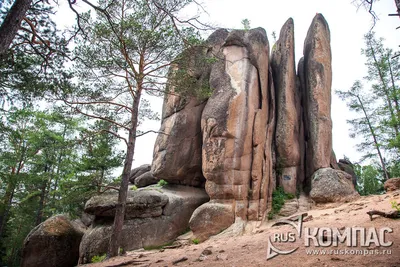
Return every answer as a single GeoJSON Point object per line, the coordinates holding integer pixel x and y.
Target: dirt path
{"type": "Point", "coordinates": [251, 248]}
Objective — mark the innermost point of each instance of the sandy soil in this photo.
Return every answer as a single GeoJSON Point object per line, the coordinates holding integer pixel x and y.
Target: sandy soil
{"type": "Point", "coordinates": [251, 248]}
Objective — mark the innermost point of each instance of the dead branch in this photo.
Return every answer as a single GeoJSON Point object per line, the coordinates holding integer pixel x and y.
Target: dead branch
{"type": "Point", "coordinates": [151, 131]}
{"type": "Point", "coordinates": [394, 214]}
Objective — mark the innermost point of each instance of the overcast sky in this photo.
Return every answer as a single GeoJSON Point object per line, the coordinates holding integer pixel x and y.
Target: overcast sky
{"type": "Point", "coordinates": [347, 26]}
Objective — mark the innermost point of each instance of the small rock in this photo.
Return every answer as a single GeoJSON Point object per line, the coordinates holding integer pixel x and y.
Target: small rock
{"type": "Point", "coordinates": [202, 257]}
{"type": "Point", "coordinates": [308, 218]}
{"type": "Point", "coordinates": [223, 257]}
{"type": "Point", "coordinates": [179, 260]}
{"type": "Point", "coordinates": [221, 251]}
{"type": "Point", "coordinates": [206, 252]}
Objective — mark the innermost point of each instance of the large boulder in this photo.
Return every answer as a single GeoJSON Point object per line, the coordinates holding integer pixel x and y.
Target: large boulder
{"type": "Point", "coordinates": [392, 184]}
{"type": "Point", "coordinates": [346, 166]}
{"type": "Point", "coordinates": [317, 72]}
{"type": "Point", "coordinates": [53, 243]}
{"type": "Point", "coordinates": [153, 229]}
{"type": "Point", "coordinates": [329, 185]}
{"type": "Point", "coordinates": [178, 150]}
{"type": "Point", "coordinates": [138, 172]}
{"type": "Point", "coordinates": [139, 204]}
{"type": "Point", "coordinates": [145, 179]}
{"type": "Point", "coordinates": [211, 219]}
{"type": "Point", "coordinates": [288, 108]}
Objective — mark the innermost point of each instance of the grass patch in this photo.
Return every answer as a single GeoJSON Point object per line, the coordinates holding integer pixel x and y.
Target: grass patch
{"type": "Point", "coordinates": [162, 182]}
{"type": "Point", "coordinates": [98, 258]}
{"type": "Point", "coordinates": [134, 188]}
{"type": "Point", "coordinates": [279, 196]}
{"type": "Point", "coordinates": [196, 241]}
{"type": "Point", "coordinates": [395, 205]}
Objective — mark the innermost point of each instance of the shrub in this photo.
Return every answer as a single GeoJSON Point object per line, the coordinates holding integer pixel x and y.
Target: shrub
{"type": "Point", "coordinates": [279, 196]}
{"type": "Point", "coordinates": [134, 188]}
{"type": "Point", "coordinates": [162, 182]}
{"type": "Point", "coordinates": [395, 205]}
{"type": "Point", "coordinates": [195, 241]}
{"type": "Point", "coordinates": [98, 258]}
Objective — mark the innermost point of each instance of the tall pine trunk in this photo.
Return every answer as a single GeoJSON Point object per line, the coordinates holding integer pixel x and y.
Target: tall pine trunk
{"type": "Point", "coordinates": [116, 232]}
{"type": "Point", "coordinates": [386, 175]}
{"type": "Point", "coordinates": [11, 23]}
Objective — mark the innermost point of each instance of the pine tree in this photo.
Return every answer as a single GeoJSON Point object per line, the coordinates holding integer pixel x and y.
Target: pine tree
{"type": "Point", "coordinates": [126, 51]}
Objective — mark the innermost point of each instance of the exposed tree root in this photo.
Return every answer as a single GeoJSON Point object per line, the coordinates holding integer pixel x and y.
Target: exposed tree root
{"type": "Point", "coordinates": [391, 214]}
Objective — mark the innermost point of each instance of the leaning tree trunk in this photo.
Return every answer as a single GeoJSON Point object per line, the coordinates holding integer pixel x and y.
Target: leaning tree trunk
{"type": "Point", "coordinates": [11, 23]}
{"type": "Point", "coordinates": [375, 139]}
{"type": "Point", "coordinates": [115, 238]}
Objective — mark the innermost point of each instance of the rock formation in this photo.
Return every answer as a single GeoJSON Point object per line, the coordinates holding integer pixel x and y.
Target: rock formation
{"type": "Point", "coordinates": [154, 216]}
{"type": "Point", "coordinates": [138, 172]}
{"type": "Point", "coordinates": [347, 166]}
{"type": "Point", "coordinates": [317, 76]}
{"type": "Point", "coordinates": [53, 243]}
{"type": "Point", "coordinates": [263, 126]}
{"type": "Point", "coordinates": [392, 184]}
{"type": "Point", "coordinates": [329, 185]}
{"type": "Point", "coordinates": [235, 126]}
{"type": "Point", "coordinates": [288, 103]}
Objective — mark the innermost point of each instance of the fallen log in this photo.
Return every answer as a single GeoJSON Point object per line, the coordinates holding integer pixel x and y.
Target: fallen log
{"type": "Point", "coordinates": [394, 214]}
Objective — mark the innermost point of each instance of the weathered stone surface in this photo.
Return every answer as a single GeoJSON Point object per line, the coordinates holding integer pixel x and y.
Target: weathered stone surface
{"type": "Point", "coordinates": [334, 163]}
{"type": "Point", "coordinates": [139, 204]}
{"type": "Point", "coordinates": [210, 219]}
{"type": "Point", "coordinates": [183, 197]}
{"type": "Point", "coordinates": [329, 185]}
{"type": "Point", "coordinates": [178, 152]}
{"type": "Point", "coordinates": [347, 166]}
{"type": "Point", "coordinates": [53, 243]}
{"type": "Point", "coordinates": [392, 184]}
{"type": "Point", "coordinates": [289, 208]}
{"type": "Point", "coordinates": [288, 108]}
{"type": "Point", "coordinates": [238, 106]}
{"type": "Point", "coordinates": [318, 81]}
{"type": "Point", "coordinates": [87, 219]}
{"type": "Point", "coordinates": [150, 231]}
{"type": "Point", "coordinates": [145, 179]}
{"type": "Point", "coordinates": [139, 171]}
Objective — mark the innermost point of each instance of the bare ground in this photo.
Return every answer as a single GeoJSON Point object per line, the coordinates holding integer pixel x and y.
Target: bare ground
{"type": "Point", "coordinates": [250, 249]}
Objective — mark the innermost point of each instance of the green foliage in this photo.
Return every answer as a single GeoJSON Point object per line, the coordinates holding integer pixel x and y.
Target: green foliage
{"type": "Point", "coordinates": [98, 258]}
{"type": "Point", "coordinates": [134, 187]}
{"type": "Point", "coordinates": [279, 196]}
{"type": "Point", "coordinates": [395, 205]}
{"type": "Point", "coordinates": [195, 241]}
{"type": "Point", "coordinates": [162, 183]}
{"type": "Point", "coordinates": [369, 180]}
{"type": "Point", "coordinates": [184, 79]}
{"type": "Point", "coordinates": [44, 171]}
{"type": "Point", "coordinates": [30, 70]}
{"type": "Point", "coordinates": [376, 102]}
{"type": "Point", "coordinates": [274, 38]}
{"type": "Point", "coordinates": [246, 24]}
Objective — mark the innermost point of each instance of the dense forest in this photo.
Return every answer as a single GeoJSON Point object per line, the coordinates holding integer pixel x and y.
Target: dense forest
{"type": "Point", "coordinates": [69, 98]}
